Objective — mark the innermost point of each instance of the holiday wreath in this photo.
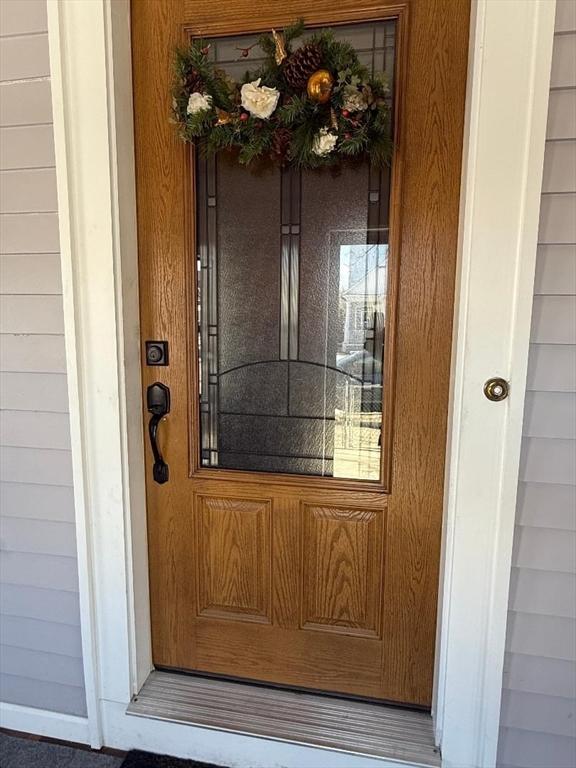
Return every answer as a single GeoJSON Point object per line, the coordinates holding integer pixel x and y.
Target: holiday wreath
{"type": "Point", "coordinates": [310, 106]}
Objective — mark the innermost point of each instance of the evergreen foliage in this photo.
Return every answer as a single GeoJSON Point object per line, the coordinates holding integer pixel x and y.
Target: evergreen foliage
{"type": "Point", "coordinates": [356, 116]}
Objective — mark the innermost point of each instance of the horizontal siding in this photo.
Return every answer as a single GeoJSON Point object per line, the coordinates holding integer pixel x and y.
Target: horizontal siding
{"type": "Point", "coordinates": [29, 569]}
{"type": "Point", "coordinates": [565, 16]}
{"type": "Point", "coordinates": [547, 505]}
{"type": "Point", "coordinates": [24, 57]}
{"type": "Point", "coordinates": [34, 273]}
{"type": "Point", "coordinates": [557, 218]}
{"type": "Point", "coordinates": [538, 717]}
{"type": "Point", "coordinates": [552, 368]}
{"type": "Point", "coordinates": [536, 674]}
{"type": "Point", "coordinates": [35, 429]}
{"type": "Point", "coordinates": [541, 590]}
{"type": "Point", "coordinates": [22, 18]}
{"type": "Point", "coordinates": [36, 466]}
{"type": "Point", "coordinates": [52, 605]}
{"type": "Point", "coordinates": [533, 749]}
{"type": "Point", "coordinates": [32, 353]}
{"type": "Point", "coordinates": [552, 637]}
{"type": "Point", "coordinates": [550, 414]}
{"type": "Point", "coordinates": [44, 537]}
{"type": "Point", "coordinates": [554, 715]}
{"type": "Point", "coordinates": [31, 314]}
{"type": "Point", "coordinates": [40, 641]}
{"type": "Point", "coordinates": [547, 549]}
{"type": "Point", "coordinates": [554, 320]}
{"type": "Point", "coordinates": [25, 103]}
{"type": "Point", "coordinates": [42, 666]}
{"type": "Point", "coordinates": [556, 270]}
{"type": "Point", "coordinates": [563, 73]}
{"type": "Point", "coordinates": [545, 460]}
{"type": "Point", "coordinates": [37, 502]}
{"type": "Point", "coordinates": [559, 167]}
{"type": "Point", "coordinates": [562, 115]}
{"type": "Point", "coordinates": [43, 636]}
{"type": "Point", "coordinates": [34, 392]}
{"type": "Point", "coordinates": [26, 146]}
{"type": "Point", "coordinates": [29, 233]}
{"type": "Point", "coordinates": [68, 699]}
{"type": "Point", "coordinates": [29, 190]}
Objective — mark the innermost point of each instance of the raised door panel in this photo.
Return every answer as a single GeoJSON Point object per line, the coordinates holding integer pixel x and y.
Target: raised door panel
{"type": "Point", "coordinates": [342, 569]}
{"type": "Point", "coordinates": [233, 546]}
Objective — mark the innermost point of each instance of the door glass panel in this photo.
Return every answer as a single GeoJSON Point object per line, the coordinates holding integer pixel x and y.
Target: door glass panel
{"type": "Point", "coordinates": [292, 269]}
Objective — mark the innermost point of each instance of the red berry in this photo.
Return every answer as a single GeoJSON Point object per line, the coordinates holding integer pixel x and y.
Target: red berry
{"type": "Point", "coordinates": [347, 135]}
{"type": "Point", "coordinates": [345, 113]}
{"type": "Point", "coordinates": [243, 116]}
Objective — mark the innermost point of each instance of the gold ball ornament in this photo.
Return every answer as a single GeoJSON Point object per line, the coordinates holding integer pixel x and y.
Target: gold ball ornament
{"type": "Point", "coordinates": [320, 86]}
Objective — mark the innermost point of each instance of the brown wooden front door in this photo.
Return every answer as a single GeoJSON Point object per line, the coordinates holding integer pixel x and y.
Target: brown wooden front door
{"type": "Point", "coordinates": [309, 320]}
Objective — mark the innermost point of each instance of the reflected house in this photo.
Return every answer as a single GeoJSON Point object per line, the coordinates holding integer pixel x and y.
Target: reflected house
{"type": "Point", "coordinates": [362, 307]}
{"type": "Point", "coordinates": [363, 280]}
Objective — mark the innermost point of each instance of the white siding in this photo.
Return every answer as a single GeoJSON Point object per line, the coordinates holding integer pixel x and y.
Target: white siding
{"type": "Point", "coordinates": [40, 643]}
{"type": "Point", "coordinates": [538, 722]}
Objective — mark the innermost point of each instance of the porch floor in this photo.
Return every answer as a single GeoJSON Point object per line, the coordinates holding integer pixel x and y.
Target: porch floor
{"type": "Point", "coordinates": [344, 725]}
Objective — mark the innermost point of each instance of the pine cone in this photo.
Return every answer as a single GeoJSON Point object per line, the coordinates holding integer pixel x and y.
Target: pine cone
{"type": "Point", "coordinates": [281, 139]}
{"type": "Point", "coordinates": [193, 82]}
{"type": "Point", "coordinates": [301, 64]}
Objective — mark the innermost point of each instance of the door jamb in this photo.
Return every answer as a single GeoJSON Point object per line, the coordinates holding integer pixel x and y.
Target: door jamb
{"type": "Point", "coordinates": [510, 56]}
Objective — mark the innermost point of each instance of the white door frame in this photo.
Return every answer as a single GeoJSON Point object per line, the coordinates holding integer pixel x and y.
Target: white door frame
{"type": "Point", "coordinates": [510, 55]}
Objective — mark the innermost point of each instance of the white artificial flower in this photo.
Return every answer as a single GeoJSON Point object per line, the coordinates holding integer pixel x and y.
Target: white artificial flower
{"type": "Point", "coordinates": [324, 142]}
{"type": "Point", "coordinates": [354, 100]}
{"type": "Point", "coordinates": [258, 99]}
{"type": "Point", "coordinates": [198, 102]}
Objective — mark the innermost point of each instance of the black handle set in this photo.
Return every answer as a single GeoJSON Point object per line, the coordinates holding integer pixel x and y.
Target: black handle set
{"type": "Point", "coordinates": [158, 402]}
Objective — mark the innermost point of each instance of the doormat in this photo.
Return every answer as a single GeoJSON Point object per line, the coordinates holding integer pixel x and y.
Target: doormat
{"type": "Point", "coordinates": [137, 759]}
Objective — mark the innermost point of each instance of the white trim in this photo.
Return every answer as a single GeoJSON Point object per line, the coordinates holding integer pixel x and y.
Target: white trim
{"type": "Point", "coordinates": [224, 748]}
{"type": "Point", "coordinates": [100, 292]}
{"type": "Point", "coordinates": [123, 184]}
{"type": "Point", "coordinates": [504, 143]}
{"type": "Point", "coordinates": [510, 61]}
{"type": "Point", "coordinates": [44, 723]}
{"type": "Point", "coordinates": [74, 372]}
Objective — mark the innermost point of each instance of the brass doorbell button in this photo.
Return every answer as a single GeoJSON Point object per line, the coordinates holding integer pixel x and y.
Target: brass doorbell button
{"type": "Point", "coordinates": [496, 389]}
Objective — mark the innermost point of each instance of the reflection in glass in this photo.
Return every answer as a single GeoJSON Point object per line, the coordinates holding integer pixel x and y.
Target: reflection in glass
{"type": "Point", "coordinates": [292, 270]}
{"type": "Point", "coordinates": [359, 359]}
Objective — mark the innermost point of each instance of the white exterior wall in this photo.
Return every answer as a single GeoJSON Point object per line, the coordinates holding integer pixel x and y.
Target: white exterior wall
{"type": "Point", "coordinates": [539, 688]}
{"type": "Point", "coordinates": [40, 643]}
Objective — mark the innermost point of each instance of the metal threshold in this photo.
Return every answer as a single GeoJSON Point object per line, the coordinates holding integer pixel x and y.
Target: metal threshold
{"type": "Point", "coordinates": [361, 728]}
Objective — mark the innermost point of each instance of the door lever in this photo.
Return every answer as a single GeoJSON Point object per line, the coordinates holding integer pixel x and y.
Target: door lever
{"type": "Point", "coordinates": [158, 403]}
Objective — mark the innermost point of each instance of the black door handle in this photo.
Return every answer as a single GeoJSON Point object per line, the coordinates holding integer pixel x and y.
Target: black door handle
{"type": "Point", "coordinates": [158, 402]}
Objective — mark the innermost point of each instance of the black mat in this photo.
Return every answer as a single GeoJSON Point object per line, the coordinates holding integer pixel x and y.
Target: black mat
{"type": "Point", "coordinates": [18, 752]}
{"type": "Point", "coordinates": [138, 759]}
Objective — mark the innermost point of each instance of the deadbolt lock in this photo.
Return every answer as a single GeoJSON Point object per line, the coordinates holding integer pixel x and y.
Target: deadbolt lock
{"type": "Point", "coordinates": [156, 353]}
{"type": "Point", "coordinates": [496, 389]}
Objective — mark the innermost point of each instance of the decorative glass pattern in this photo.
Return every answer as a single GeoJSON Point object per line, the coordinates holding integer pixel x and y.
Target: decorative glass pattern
{"type": "Point", "coordinates": [292, 298]}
